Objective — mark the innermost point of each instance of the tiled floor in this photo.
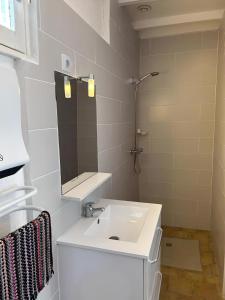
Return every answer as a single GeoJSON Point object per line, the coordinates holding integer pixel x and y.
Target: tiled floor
{"type": "Point", "coordinates": [191, 285]}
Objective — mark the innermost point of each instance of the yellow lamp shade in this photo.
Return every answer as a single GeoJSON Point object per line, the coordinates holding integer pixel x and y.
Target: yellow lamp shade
{"type": "Point", "coordinates": [67, 87]}
{"type": "Point", "coordinates": [91, 86]}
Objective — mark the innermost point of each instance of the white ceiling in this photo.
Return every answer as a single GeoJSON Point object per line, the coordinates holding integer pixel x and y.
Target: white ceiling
{"type": "Point", "coordinates": [161, 8]}
{"type": "Point", "coordinates": [166, 14]}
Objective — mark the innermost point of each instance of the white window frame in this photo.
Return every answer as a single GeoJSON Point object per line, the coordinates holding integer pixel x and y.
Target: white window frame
{"type": "Point", "coordinates": [15, 39]}
{"type": "Point", "coordinates": [23, 42]}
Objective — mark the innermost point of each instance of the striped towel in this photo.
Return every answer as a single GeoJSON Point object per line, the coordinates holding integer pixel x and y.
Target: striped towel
{"type": "Point", "coordinates": [26, 261]}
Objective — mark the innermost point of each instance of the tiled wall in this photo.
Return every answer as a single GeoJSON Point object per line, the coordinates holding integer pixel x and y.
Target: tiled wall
{"type": "Point", "coordinates": [218, 201]}
{"type": "Point", "coordinates": [62, 31]}
{"type": "Point", "coordinates": [177, 108]}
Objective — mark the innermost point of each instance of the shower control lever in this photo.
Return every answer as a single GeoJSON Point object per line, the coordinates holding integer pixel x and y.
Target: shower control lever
{"type": "Point", "coordinates": [136, 150]}
{"type": "Point", "coordinates": [141, 132]}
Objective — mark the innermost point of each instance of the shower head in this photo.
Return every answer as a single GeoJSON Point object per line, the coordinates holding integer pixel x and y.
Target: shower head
{"type": "Point", "coordinates": [153, 74]}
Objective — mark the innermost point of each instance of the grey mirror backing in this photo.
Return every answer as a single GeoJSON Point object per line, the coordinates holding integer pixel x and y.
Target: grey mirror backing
{"type": "Point", "coordinates": [77, 129]}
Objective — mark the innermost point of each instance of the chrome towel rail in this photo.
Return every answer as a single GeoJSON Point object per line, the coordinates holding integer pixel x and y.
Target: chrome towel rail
{"type": "Point", "coordinates": [19, 208]}
{"type": "Point", "coordinates": [5, 205]}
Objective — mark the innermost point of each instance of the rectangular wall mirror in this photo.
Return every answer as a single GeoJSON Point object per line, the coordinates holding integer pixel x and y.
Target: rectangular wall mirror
{"type": "Point", "coordinates": [77, 129]}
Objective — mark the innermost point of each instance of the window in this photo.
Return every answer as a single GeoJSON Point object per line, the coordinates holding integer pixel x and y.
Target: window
{"type": "Point", "coordinates": [18, 27]}
{"type": "Point", "coordinates": [7, 16]}
{"type": "Point", "coordinates": [12, 25]}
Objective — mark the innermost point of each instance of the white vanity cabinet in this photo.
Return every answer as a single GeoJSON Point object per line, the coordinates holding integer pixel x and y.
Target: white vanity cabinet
{"type": "Point", "coordinates": [91, 274]}
{"type": "Point", "coordinates": [152, 274]}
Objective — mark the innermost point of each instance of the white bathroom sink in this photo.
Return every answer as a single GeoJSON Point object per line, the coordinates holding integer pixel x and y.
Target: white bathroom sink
{"type": "Point", "coordinates": [124, 227]}
{"type": "Point", "coordinates": [119, 222]}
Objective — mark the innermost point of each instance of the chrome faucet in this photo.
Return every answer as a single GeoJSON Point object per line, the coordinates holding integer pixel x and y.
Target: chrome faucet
{"type": "Point", "coordinates": [89, 211]}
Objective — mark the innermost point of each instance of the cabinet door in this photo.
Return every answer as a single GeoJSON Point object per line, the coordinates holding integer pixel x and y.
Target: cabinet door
{"type": "Point", "coordinates": [152, 269]}
{"type": "Point", "coordinates": [156, 286]}
{"type": "Point", "coordinates": [87, 274]}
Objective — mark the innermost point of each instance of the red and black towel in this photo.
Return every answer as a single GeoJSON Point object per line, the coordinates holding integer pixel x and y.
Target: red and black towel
{"type": "Point", "coordinates": [26, 261]}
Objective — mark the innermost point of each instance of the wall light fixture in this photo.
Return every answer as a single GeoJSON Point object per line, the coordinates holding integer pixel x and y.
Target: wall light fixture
{"type": "Point", "coordinates": [67, 87]}
{"type": "Point", "coordinates": [91, 84]}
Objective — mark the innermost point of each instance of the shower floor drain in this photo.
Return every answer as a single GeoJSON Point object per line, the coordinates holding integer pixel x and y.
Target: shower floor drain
{"type": "Point", "coordinates": [114, 237]}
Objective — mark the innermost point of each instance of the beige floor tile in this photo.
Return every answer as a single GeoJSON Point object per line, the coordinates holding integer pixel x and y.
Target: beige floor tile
{"type": "Point", "coordinates": [189, 285]}
{"type": "Point", "coordinates": [207, 258]}
{"type": "Point", "coordinates": [181, 286]}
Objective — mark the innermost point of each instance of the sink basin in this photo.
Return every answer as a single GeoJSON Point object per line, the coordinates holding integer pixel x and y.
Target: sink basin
{"type": "Point", "coordinates": [124, 227]}
{"type": "Point", "coordinates": [118, 222]}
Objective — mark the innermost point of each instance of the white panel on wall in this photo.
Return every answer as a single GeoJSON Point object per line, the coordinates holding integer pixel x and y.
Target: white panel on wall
{"type": "Point", "coordinates": [95, 13]}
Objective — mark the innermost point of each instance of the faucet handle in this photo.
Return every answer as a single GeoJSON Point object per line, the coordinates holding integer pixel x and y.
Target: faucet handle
{"type": "Point", "coordinates": [88, 209]}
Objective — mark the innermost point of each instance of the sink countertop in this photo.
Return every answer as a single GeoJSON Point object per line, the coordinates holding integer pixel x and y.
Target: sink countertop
{"type": "Point", "coordinates": [75, 236]}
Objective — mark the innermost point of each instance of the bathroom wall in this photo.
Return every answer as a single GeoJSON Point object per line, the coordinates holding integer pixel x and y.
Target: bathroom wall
{"type": "Point", "coordinates": [218, 203]}
{"type": "Point", "coordinates": [177, 108]}
{"type": "Point", "coordinates": [61, 30]}
{"type": "Point", "coordinates": [95, 13]}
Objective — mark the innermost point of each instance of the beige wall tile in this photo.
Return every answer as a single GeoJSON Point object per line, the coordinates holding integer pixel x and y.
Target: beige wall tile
{"type": "Point", "coordinates": [209, 66]}
{"type": "Point", "coordinates": [177, 109]}
{"type": "Point", "coordinates": [193, 161]}
{"type": "Point", "coordinates": [186, 219]}
{"type": "Point", "coordinates": [157, 97]}
{"type": "Point", "coordinates": [160, 63]}
{"type": "Point", "coordinates": [176, 177]}
{"type": "Point", "coordinates": [157, 160]}
{"type": "Point", "coordinates": [183, 205]}
{"type": "Point", "coordinates": [195, 93]}
{"type": "Point", "coordinates": [208, 112]}
{"type": "Point", "coordinates": [188, 67]}
{"type": "Point", "coordinates": [187, 42]}
{"type": "Point", "coordinates": [205, 213]}
{"type": "Point", "coordinates": [206, 145]}
{"type": "Point", "coordinates": [185, 112]}
{"type": "Point", "coordinates": [191, 192]}
{"type": "Point", "coordinates": [174, 145]}
{"type": "Point", "coordinates": [184, 176]}
{"type": "Point", "coordinates": [197, 67]}
{"type": "Point", "coordinates": [188, 129]}
{"type": "Point", "coordinates": [210, 40]}
{"type": "Point", "coordinates": [145, 47]}
{"type": "Point", "coordinates": [204, 178]}
{"type": "Point", "coordinates": [206, 129]}
{"type": "Point", "coordinates": [159, 189]}
{"type": "Point", "coordinates": [149, 113]}
{"type": "Point", "coordinates": [157, 129]}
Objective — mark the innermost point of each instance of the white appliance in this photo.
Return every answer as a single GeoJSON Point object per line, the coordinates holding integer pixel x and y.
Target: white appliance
{"type": "Point", "coordinates": [13, 154]}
